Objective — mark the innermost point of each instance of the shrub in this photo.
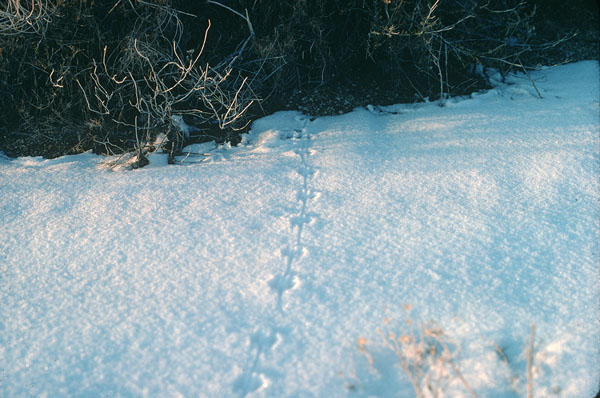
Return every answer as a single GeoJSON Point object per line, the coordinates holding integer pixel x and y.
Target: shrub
{"type": "Point", "coordinates": [111, 75]}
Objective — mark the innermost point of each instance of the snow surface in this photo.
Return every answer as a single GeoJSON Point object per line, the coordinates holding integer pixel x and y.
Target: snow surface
{"type": "Point", "coordinates": [280, 268]}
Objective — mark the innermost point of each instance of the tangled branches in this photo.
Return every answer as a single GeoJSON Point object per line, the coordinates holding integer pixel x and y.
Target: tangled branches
{"type": "Point", "coordinates": [112, 75]}
{"type": "Point", "coordinates": [23, 17]}
{"type": "Point", "coordinates": [438, 44]}
{"type": "Point", "coordinates": [151, 86]}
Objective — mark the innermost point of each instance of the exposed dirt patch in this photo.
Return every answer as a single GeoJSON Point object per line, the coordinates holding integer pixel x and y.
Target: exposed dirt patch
{"type": "Point", "coordinates": [339, 97]}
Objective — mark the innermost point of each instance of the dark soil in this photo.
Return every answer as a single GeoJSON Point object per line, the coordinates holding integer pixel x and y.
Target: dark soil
{"type": "Point", "coordinates": [341, 97]}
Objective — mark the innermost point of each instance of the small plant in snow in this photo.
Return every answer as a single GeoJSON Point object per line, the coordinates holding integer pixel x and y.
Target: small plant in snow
{"type": "Point", "coordinates": [427, 357]}
{"type": "Point", "coordinates": [429, 360]}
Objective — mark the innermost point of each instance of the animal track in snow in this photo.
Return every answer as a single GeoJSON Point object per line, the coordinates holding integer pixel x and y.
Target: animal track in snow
{"type": "Point", "coordinates": [305, 195]}
{"type": "Point", "coordinates": [256, 376]}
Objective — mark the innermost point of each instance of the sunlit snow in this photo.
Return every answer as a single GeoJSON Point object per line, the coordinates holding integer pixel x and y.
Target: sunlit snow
{"type": "Point", "coordinates": [311, 260]}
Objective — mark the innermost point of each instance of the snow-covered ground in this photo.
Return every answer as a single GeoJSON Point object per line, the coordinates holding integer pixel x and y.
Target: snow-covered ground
{"type": "Point", "coordinates": [316, 257]}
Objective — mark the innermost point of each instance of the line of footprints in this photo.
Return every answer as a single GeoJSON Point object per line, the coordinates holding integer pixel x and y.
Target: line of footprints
{"type": "Point", "coordinates": [256, 377]}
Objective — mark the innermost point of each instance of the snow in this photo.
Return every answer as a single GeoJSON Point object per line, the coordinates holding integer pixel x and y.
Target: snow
{"type": "Point", "coordinates": [319, 257]}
